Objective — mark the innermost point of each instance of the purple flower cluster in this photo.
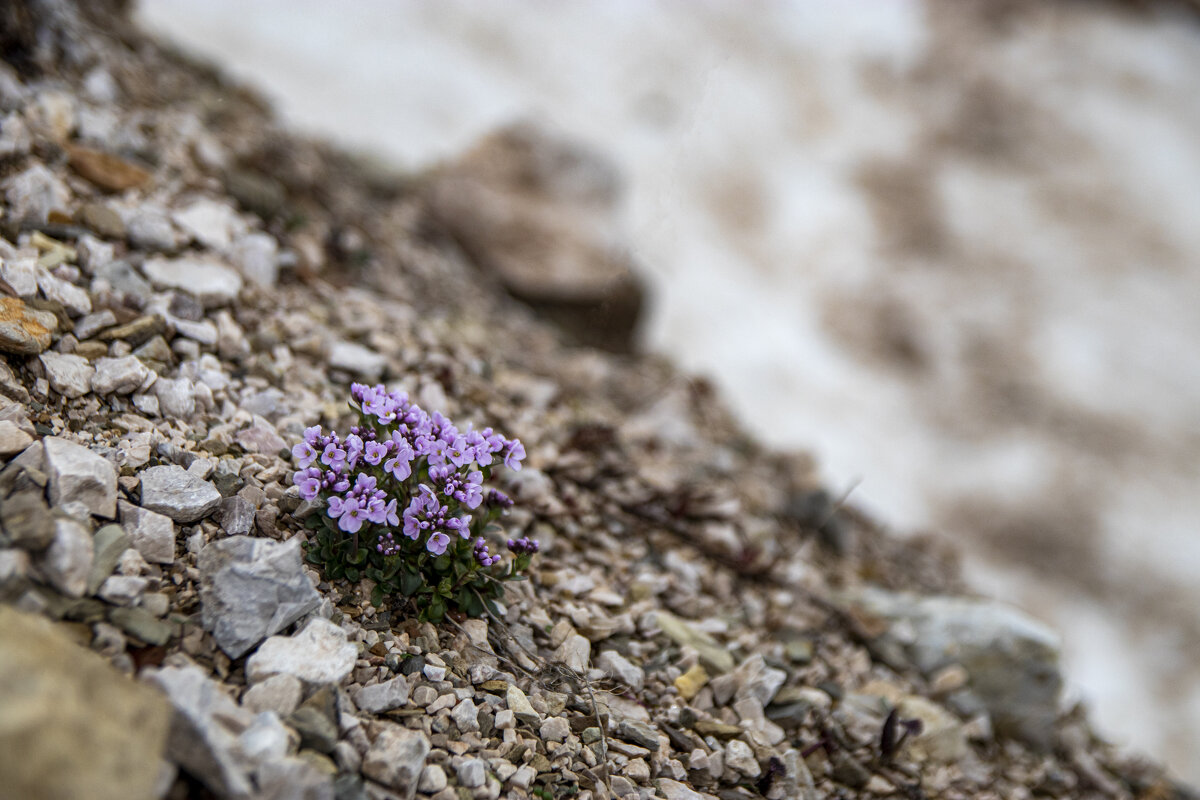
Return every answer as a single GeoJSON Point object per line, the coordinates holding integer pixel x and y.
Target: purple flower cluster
{"type": "Point", "coordinates": [482, 555]}
{"type": "Point", "coordinates": [524, 545]}
{"type": "Point", "coordinates": [403, 456]}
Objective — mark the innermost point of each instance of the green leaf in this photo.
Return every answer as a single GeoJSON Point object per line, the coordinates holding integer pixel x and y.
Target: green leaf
{"type": "Point", "coordinates": [377, 596]}
{"type": "Point", "coordinates": [409, 583]}
{"type": "Point", "coordinates": [352, 574]}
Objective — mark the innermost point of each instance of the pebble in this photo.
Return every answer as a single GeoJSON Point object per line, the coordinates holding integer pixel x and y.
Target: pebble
{"type": "Point", "coordinates": [380, 697]}
{"type": "Point", "coordinates": [69, 375]}
{"type": "Point", "coordinates": [31, 196]}
{"type": "Point", "coordinates": [176, 397]}
{"type": "Point", "coordinates": [574, 652]}
{"type": "Point", "coordinates": [357, 360]}
{"type": "Point", "coordinates": [471, 773]}
{"type": "Point", "coordinates": [740, 757]}
{"type": "Point", "coordinates": [211, 223]}
{"type": "Point", "coordinates": [122, 590]}
{"type": "Point", "coordinates": [622, 668]}
{"type": "Point", "coordinates": [278, 693]}
{"type": "Point", "coordinates": [423, 695]}
{"type": "Point", "coordinates": [433, 779]}
{"type": "Point", "coordinates": [177, 493]}
{"type": "Point", "coordinates": [119, 375]}
{"type": "Point", "coordinates": [235, 515]}
{"type": "Point", "coordinates": [68, 559]}
{"type": "Point", "coordinates": [24, 331]}
{"type": "Point", "coordinates": [89, 326]}
{"type": "Point", "coordinates": [555, 729]}
{"type": "Point", "coordinates": [519, 704]}
{"type": "Point", "coordinates": [150, 229]}
{"type": "Point", "coordinates": [396, 758]}
{"type": "Point", "coordinates": [27, 520]}
{"type": "Point", "coordinates": [252, 588]}
{"type": "Point", "coordinates": [79, 475]}
{"type": "Point", "coordinates": [206, 279]}
{"type": "Point", "coordinates": [318, 654]}
{"type": "Point", "coordinates": [153, 534]}
{"type": "Point", "coordinates": [108, 544]}
{"type": "Point", "coordinates": [465, 715]}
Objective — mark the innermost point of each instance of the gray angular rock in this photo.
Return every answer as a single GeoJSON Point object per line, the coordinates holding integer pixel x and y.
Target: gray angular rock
{"type": "Point", "coordinates": [27, 520]}
{"type": "Point", "coordinates": [574, 652]}
{"type": "Point", "coordinates": [75, 300]}
{"type": "Point", "coordinates": [318, 654]}
{"type": "Point", "coordinates": [715, 657]}
{"type": "Point", "coordinates": [251, 589]}
{"type": "Point", "coordinates": [181, 495]}
{"type": "Point", "coordinates": [356, 359]}
{"type": "Point", "coordinates": [1012, 659]}
{"type": "Point", "coordinates": [12, 439]}
{"type": "Point", "coordinates": [433, 779]}
{"type": "Point", "coordinates": [208, 280]}
{"type": "Point", "coordinates": [77, 474]}
{"type": "Point", "coordinates": [119, 375]}
{"type": "Point", "coordinates": [151, 533]}
{"type": "Point", "coordinates": [294, 778]}
{"type": "Point", "coordinates": [235, 515]}
{"type": "Point", "coordinates": [396, 759]}
{"type": "Point", "coordinates": [108, 544]}
{"type": "Point", "coordinates": [24, 330]}
{"type": "Point", "coordinates": [73, 725]}
{"type": "Point", "coordinates": [204, 730]}
{"type": "Point", "coordinates": [279, 693]}
{"type": "Point", "coordinates": [755, 679]}
{"type": "Point", "coordinates": [384, 696]}
{"type": "Point", "coordinates": [69, 375]}
{"type": "Point", "coordinates": [31, 195]}
{"type": "Point", "coordinates": [68, 559]}
{"type": "Point", "coordinates": [176, 397]}
{"type": "Point", "coordinates": [472, 772]}
{"type": "Point", "coordinates": [622, 668]}
{"type": "Point", "coordinates": [465, 716]}
{"type": "Point", "coordinates": [150, 229]}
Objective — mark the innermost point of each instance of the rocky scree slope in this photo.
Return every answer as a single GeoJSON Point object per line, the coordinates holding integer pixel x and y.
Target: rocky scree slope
{"type": "Point", "coordinates": [187, 287]}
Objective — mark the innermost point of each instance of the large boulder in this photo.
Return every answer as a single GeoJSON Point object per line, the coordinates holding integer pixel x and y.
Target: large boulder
{"type": "Point", "coordinates": [71, 725]}
{"type": "Point", "coordinates": [540, 213]}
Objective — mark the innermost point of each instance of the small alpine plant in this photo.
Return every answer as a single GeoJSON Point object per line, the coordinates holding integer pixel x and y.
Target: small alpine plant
{"type": "Point", "coordinates": [405, 506]}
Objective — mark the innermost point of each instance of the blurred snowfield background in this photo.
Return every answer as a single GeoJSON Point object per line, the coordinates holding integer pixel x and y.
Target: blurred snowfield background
{"type": "Point", "coordinates": [951, 248]}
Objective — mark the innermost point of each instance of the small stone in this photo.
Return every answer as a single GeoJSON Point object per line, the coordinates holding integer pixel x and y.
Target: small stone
{"type": "Point", "coordinates": [433, 779]}
{"type": "Point", "coordinates": [712, 655]}
{"type": "Point", "coordinates": [424, 695]}
{"type": "Point", "coordinates": [108, 544]}
{"type": "Point", "coordinates": [574, 652]}
{"type": "Point", "coordinates": [396, 758]}
{"type": "Point", "coordinates": [691, 682]}
{"type": "Point", "coordinates": [357, 360]}
{"type": "Point", "coordinates": [257, 256]}
{"type": "Point", "coordinates": [622, 668]}
{"type": "Point", "coordinates": [119, 375]}
{"type": "Point", "coordinates": [317, 730]}
{"type": "Point", "coordinates": [122, 590]}
{"type": "Point", "coordinates": [153, 534]}
{"type": "Point", "coordinates": [465, 715]}
{"type": "Point", "coordinates": [24, 331]}
{"type": "Point", "coordinates": [101, 219]}
{"type": "Point", "coordinates": [519, 704]}
{"type": "Point", "coordinates": [179, 494]}
{"type": "Point", "coordinates": [176, 397]}
{"type": "Point", "coordinates": [674, 790]}
{"type": "Point", "coordinates": [252, 588]}
{"type": "Point", "coordinates": [555, 729]}
{"type": "Point", "coordinates": [384, 696]}
{"type": "Point", "coordinates": [505, 719]}
{"type": "Point", "coordinates": [89, 326]}
{"type": "Point", "coordinates": [208, 280]}
{"type": "Point", "coordinates": [318, 654]}
{"type": "Point", "coordinates": [637, 770]}
{"type": "Point", "coordinates": [79, 475]}
{"type": "Point", "coordinates": [31, 196]}
{"type": "Point", "coordinates": [278, 693]}
{"type": "Point", "coordinates": [523, 778]}
{"type": "Point", "coordinates": [756, 680]}
{"type": "Point", "coordinates": [157, 603]}
{"type": "Point", "coordinates": [435, 672]}
{"type": "Point", "coordinates": [68, 559]}
{"type": "Point", "coordinates": [73, 299]}
{"type": "Point", "coordinates": [27, 520]}
{"type": "Point", "coordinates": [149, 229]}
{"type": "Point", "coordinates": [142, 624]}
{"type": "Point", "coordinates": [740, 757]}
{"type": "Point", "coordinates": [260, 437]}
{"type": "Point", "coordinates": [140, 330]}
{"type": "Point", "coordinates": [472, 772]}
{"type": "Point", "coordinates": [69, 375]}
{"type": "Point", "coordinates": [21, 273]}
{"type": "Point", "coordinates": [640, 733]}
{"type": "Point", "coordinates": [109, 172]}
{"type": "Point", "coordinates": [209, 222]}
{"type": "Point", "coordinates": [235, 515]}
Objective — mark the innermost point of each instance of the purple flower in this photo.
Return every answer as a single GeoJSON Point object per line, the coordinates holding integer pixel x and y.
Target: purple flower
{"type": "Point", "coordinates": [337, 506]}
{"type": "Point", "coordinates": [334, 456]}
{"type": "Point", "coordinates": [374, 452]}
{"type": "Point", "coordinates": [352, 516]}
{"type": "Point", "coordinates": [459, 452]}
{"type": "Point", "coordinates": [513, 454]}
{"type": "Point", "coordinates": [354, 449]}
{"type": "Point", "coordinates": [309, 486]}
{"type": "Point", "coordinates": [364, 484]}
{"type": "Point", "coordinates": [305, 454]}
{"type": "Point", "coordinates": [472, 490]}
{"type": "Point", "coordinates": [390, 516]}
{"type": "Point", "coordinates": [437, 543]}
{"type": "Point", "coordinates": [377, 511]}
